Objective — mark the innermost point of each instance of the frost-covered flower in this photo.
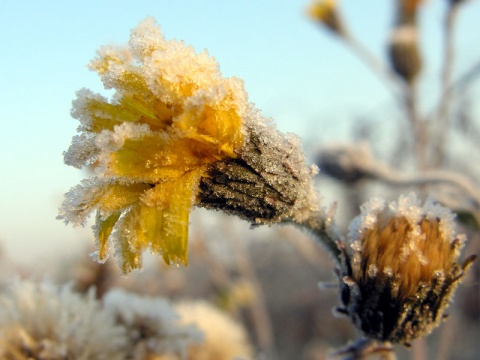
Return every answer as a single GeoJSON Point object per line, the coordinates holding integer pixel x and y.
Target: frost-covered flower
{"type": "Point", "coordinates": [172, 124]}
{"type": "Point", "coordinates": [153, 327]}
{"type": "Point", "coordinates": [172, 114]}
{"type": "Point", "coordinates": [401, 269]}
{"type": "Point", "coordinates": [225, 339]}
{"type": "Point", "coordinates": [46, 321]}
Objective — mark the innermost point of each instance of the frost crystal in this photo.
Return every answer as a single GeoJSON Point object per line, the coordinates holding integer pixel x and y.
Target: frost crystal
{"type": "Point", "coordinates": [269, 181]}
{"type": "Point", "coordinates": [153, 327]}
{"type": "Point", "coordinates": [225, 339]}
{"type": "Point", "coordinates": [45, 321]}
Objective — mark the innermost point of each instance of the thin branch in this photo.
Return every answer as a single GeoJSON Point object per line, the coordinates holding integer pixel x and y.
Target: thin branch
{"type": "Point", "coordinates": [443, 124]}
{"type": "Point", "coordinates": [465, 79]}
{"type": "Point", "coordinates": [431, 177]}
{"type": "Point", "coordinates": [383, 71]}
{"type": "Point", "coordinates": [358, 159]}
{"type": "Point", "coordinates": [417, 125]}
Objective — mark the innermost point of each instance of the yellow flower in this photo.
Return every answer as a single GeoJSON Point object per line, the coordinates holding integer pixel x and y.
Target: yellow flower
{"type": "Point", "coordinates": [171, 116]}
{"type": "Point", "coordinates": [402, 269]}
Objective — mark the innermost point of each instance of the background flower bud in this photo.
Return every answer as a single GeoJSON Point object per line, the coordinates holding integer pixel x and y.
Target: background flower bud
{"type": "Point", "coordinates": [402, 267]}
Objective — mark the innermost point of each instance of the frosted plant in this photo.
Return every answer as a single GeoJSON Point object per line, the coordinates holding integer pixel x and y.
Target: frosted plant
{"type": "Point", "coordinates": [153, 327]}
{"type": "Point", "coordinates": [176, 134]}
{"type": "Point", "coordinates": [173, 127]}
{"type": "Point", "coordinates": [224, 338]}
{"type": "Point", "coordinates": [401, 267]}
{"type": "Point", "coordinates": [48, 322]}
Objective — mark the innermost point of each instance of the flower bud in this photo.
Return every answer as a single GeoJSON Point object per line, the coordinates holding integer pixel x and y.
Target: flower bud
{"type": "Point", "coordinates": [404, 54]}
{"type": "Point", "coordinates": [326, 13]}
{"type": "Point", "coordinates": [401, 269]}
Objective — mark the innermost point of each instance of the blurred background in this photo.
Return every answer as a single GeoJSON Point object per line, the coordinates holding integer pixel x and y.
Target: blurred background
{"type": "Point", "coordinates": [315, 82]}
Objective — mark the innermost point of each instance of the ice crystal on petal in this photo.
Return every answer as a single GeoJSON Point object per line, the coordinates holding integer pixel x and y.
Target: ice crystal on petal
{"type": "Point", "coordinates": [146, 38]}
{"type": "Point", "coordinates": [82, 152]}
{"type": "Point", "coordinates": [367, 219]}
{"type": "Point", "coordinates": [177, 72]}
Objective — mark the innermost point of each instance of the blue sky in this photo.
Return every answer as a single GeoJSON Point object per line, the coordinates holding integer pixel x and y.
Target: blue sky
{"type": "Point", "coordinates": [296, 73]}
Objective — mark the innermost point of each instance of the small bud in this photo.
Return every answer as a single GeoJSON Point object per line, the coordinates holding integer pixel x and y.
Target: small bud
{"type": "Point", "coordinates": [348, 163]}
{"type": "Point", "coordinates": [401, 269]}
{"type": "Point", "coordinates": [326, 13]}
{"type": "Point", "coordinates": [404, 54]}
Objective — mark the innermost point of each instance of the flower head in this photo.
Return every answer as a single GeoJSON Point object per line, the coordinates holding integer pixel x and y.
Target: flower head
{"type": "Point", "coordinates": [401, 269]}
{"type": "Point", "coordinates": [175, 134]}
{"type": "Point", "coordinates": [171, 116]}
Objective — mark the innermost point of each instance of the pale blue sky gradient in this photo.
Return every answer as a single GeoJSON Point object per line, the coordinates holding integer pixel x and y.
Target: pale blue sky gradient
{"type": "Point", "coordinates": [294, 71]}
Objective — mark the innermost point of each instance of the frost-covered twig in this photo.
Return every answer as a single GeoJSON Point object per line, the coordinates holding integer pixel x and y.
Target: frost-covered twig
{"type": "Point", "coordinates": [355, 161]}
{"type": "Point", "coordinates": [446, 98]}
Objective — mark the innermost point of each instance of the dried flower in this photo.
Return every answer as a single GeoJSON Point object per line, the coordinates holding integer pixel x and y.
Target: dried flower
{"type": "Point", "coordinates": [174, 124]}
{"type": "Point", "coordinates": [153, 326]}
{"type": "Point", "coordinates": [402, 267]}
{"type": "Point", "coordinates": [326, 13]}
{"type": "Point", "coordinates": [225, 339]}
{"type": "Point", "coordinates": [171, 116]}
{"type": "Point", "coordinates": [44, 321]}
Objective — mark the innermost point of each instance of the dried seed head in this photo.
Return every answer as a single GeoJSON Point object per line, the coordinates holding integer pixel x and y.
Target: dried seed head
{"type": "Point", "coordinates": [404, 54]}
{"type": "Point", "coordinates": [401, 269]}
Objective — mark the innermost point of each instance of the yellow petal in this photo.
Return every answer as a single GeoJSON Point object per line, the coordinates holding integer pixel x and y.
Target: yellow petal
{"type": "Point", "coordinates": [158, 157]}
{"type": "Point", "coordinates": [163, 220]}
{"type": "Point", "coordinates": [104, 229]}
{"type": "Point", "coordinates": [127, 248]}
{"type": "Point", "coordinates": [118, 196]}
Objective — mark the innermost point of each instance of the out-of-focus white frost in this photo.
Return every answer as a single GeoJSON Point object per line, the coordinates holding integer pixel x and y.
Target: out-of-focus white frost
{"type": "Point", "coordinates": [153, 326]}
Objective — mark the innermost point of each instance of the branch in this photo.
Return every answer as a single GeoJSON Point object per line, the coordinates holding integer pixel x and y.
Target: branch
{"type": "Point", "coordinates": [343, 160]}
{"type": "Point", "coordinates": [446, 98]}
